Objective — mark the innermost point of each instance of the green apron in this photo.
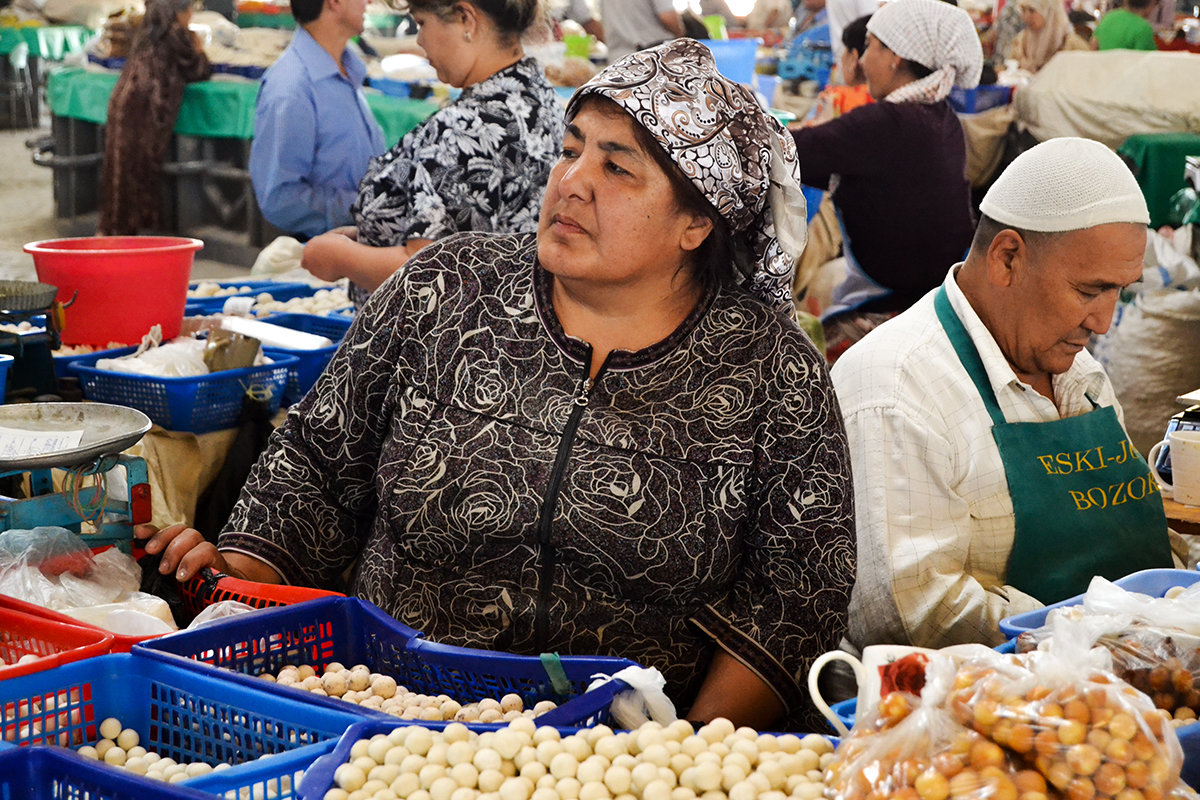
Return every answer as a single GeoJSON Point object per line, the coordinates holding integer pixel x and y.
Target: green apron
{"type": "Point", "coordinates": [1083, 498]}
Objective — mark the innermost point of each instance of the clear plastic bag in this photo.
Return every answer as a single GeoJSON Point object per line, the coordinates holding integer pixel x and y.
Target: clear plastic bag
{"type": "Point", "coordinates": [1064, 712]}
{"type": "Point", "coordinates": [1057, 723]}
{"type": "Point", "coordinates": [914, 748]}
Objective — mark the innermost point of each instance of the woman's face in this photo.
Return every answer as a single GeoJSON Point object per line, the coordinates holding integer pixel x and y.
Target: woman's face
{"type": "Point", "coordinates": [878, 67]}
{"type": "Point", "coordinates": [445, 45]}
{"type": "Point", "coordinates": [609, 215]}
{"type": "Point", "coordinates": [1032, 18]}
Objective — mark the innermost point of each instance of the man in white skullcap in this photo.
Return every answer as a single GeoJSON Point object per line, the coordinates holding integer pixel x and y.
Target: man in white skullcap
{"type": "Point", "coordinates": [992, 474]}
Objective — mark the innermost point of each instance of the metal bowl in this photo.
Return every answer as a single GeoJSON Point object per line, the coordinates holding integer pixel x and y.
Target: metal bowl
{"type": "Point", "coordinates": [106, 429]}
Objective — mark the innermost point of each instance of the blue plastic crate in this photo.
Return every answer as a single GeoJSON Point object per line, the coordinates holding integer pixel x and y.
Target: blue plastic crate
{"type": "Point", "coordinates": [736, 59]}
{"type": "Point", "coordinates": [275, 776]}
{"type": "Point", "coordinates": [1153, 582]}
{"type": "Point", "coordinates": [981, 98]}
{"type": "Point", "coordinates": [178, 713]}
{"type": "Point", "coordinates": [6, 363]}
{"type": "Point", "coordinates": [311, 363]}
{"type": "Point", "coordinates": [280, 290]}
{"type": "Point", "coordinates": [353, 631]}
{"type": "Point", "coordinates": [198, 404]}
{"type": "Point", "coordinates": [49, 773]}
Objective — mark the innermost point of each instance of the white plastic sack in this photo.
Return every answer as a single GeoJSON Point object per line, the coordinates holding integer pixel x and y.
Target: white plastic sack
{"type": "Point", "coordinates": [1150, 355]}
{"type": "Point", "coordinates": [1168, 262]}
{"type": "Point", "coordinates": [219, 611]}
{"type": "Point", "coordinates": [644, 701]}
{"type": "Point", "coordinates": [139, 614]}
{"type": "Point", "coordinates": [178, 358]}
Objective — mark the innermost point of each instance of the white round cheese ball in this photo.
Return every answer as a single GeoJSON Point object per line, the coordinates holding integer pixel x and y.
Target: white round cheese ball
{"type": "Point", "coordinates": [110, 728]}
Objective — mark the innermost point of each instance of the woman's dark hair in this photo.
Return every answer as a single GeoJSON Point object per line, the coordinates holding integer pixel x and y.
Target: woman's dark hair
{"type": "Point", "coordinates": [917, 69]}
{"type": "Point", "coordinates": [511, 17]}
{"type": "Point", "coordinates": [854, 35]}
{"type": "Point", "coordinates": [160, 17]}
{"type": "Point", "coordinates": [724, 258]}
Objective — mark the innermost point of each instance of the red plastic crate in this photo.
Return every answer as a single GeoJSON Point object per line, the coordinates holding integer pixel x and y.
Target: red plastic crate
{"type": "Point", "coordinates": [119, 643]}
{"type": "Point", "coordinates": [55, 642]}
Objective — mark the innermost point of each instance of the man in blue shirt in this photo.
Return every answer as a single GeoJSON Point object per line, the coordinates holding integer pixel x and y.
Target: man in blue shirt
{"type": "Point", "coordinates": [313, 131]}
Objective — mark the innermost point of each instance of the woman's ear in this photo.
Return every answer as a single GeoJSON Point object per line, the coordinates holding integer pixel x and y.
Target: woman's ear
{"type": "Point", "coordinates": [696, 232]}
{"type": "Point", "coordinates": [467, 15]}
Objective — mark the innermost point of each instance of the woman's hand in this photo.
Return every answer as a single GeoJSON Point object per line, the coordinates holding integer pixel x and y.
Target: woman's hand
{"type": "Point", "coordinates": [184, 550]}
{"type": "Point", "coordinates": [327, 255]}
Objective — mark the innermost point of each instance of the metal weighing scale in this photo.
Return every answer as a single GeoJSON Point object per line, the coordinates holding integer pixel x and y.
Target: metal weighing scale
{"type": "Point", "coordinates": [111, 509]}
{"type": "Point", "coordinates": [32, 372]}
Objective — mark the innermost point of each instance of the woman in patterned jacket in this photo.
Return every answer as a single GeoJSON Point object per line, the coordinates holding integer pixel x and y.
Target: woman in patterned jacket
{"type": "Point", "coordinates": [605, 438]}
{"type": "Point", "coordinates": [479, 164]}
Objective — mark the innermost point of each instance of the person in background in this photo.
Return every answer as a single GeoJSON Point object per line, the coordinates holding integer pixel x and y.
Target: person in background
{"type": "Point", "coordinates": [900, 189]}
{"type": "Point", "coordinates": [1127, 28]}
{"type": "Point", "coordinates": [992, 472]}
{"type": "Point", "coordinates": [1007, 24]}
{"type": "Point", "coordinates": [164, 58]}
{"type": "Point", "coordinates": [1047, 31]}
{"type": "Point", "coordinates": [770, 15]}
{"type": "Point", "coordinates": [852, 92]}
{"type": "Point", "coordinates": [608, 437]}
{"type": "Point", "coordinates": [478, 164]}
{"type": "Point", "coordinates": [840, 13]}
{"type": "Point", "coordinates": [808, 14]}
{"type": "Point", "coordinates": [632, 25]}
{"type": "Point", "coordinates": [583, 12]}
{"type": "Point", "coordinates": [313, 131]}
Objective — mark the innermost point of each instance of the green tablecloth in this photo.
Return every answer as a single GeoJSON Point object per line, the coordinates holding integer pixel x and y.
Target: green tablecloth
{"type": "Point", "coordinates": [51, 42]}
{"type": "Point", "coordinates": [214, 109]}
{"type": "Point", "coordinates": [1157, 160]}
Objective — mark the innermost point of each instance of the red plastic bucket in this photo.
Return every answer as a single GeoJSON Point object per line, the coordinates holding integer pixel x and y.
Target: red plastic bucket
{"type": "Point", "coordinates": [125, 284]}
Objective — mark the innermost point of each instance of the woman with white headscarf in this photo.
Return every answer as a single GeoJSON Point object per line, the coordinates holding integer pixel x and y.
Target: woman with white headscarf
{"type": "Point", "coordinates": [897, 168]}
{"type": "Point", "coordinates": [1047, 31]}
{"type": "Point", "coordinates": [609, 437]}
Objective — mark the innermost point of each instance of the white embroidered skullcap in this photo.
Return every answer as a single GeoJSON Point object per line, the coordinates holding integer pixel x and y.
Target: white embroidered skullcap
{"type": "Point", "coordinates": [934, 34]}
{"type": "Point", "coordinates": [1065, 184]}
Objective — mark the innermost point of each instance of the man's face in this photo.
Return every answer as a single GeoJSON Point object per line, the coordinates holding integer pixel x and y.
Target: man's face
{"type": "Point", "coordinates": [1064, 291]}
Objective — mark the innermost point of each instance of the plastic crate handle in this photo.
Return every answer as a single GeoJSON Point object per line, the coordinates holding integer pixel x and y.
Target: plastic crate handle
{"type": "Point", "coordinates": [210, 586]}
{"type": "Point", "coordinates": [561, 684]}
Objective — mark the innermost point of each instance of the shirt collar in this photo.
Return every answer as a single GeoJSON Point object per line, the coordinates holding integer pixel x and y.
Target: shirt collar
{"type": "Point", "coordinates": [1084, 369]}
{"type": "Point", "coordinates": [320, 65]}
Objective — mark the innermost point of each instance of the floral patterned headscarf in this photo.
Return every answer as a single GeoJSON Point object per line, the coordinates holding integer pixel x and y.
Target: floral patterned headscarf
{"type": "Point", "coordinates": [739, 156]}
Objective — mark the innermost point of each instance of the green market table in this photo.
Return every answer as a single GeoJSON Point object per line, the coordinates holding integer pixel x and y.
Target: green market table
{"type": "Point", "coordinates": [1158, 161]}
{"type": "Point", "coordinates": [206, 178]}
{"type": "Point", "coordinates": [51, 42]}
{"type": "Point", "coordinates": [46, 43]}
{"type": "Point", "coordinates": [213, 109]}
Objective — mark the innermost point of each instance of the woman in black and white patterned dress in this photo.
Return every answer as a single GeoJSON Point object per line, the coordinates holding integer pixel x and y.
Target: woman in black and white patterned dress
{"type": "Point", "coordinates": [600, 438]}
{"type": "Point", "coordinates": [479, 164]}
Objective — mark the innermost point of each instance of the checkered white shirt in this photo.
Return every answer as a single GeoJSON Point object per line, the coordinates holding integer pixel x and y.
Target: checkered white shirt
{"type": "Point", "coordinates": [934, 516]}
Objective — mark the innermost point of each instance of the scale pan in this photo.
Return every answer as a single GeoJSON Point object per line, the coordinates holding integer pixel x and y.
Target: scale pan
{"type": "Point", "coordinates": [106, 429]}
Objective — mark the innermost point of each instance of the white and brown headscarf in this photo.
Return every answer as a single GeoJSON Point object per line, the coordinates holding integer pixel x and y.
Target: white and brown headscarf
{"type": "Point", "coordinates": [739, 156]}
{"type": "Point", "coordinates": [936, 35]}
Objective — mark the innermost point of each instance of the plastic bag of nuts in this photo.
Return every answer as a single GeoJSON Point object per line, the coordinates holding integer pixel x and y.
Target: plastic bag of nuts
{"type": "Point", "coordinates": [1163, 663]}
{"type": "Point", "coordinates": [1063, 712]}
{"type": "Point", "coordinates": [913, 749]}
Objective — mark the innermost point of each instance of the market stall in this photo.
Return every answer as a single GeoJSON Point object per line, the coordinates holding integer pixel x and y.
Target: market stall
{"type": "Point", "coordinates": [209, 183]}
{"type": "Point", "coordinates": [44, 43]}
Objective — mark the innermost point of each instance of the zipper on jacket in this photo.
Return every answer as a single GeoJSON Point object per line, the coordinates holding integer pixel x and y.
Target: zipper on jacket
{"type": "Point", "coordinates": [546, 554]}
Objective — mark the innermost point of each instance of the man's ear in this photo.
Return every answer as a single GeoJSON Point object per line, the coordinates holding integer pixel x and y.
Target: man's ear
{"type": "Point", "coordinates": [1007, 253]}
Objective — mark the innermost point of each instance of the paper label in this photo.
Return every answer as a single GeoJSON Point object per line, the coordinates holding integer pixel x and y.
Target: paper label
{"type": "Point", "coordinates": [16, 443]}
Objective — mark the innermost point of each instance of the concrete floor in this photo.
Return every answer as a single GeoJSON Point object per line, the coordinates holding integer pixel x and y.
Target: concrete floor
{"type": "Point", "coordinates": [27, 212]}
